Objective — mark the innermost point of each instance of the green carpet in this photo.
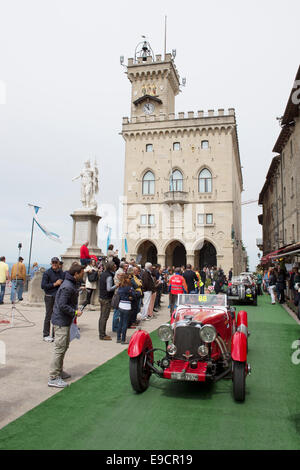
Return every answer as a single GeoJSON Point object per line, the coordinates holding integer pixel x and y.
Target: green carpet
{"type": "Point", "coordinates": [100, 411]}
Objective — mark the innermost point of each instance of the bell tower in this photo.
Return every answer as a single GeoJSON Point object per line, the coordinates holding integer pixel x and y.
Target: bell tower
{"type": "Point", "coordinates": [155, 82]}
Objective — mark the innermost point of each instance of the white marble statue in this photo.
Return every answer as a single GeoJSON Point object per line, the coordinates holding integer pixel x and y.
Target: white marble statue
{"type": "Point", "coordinates": [89, 185]}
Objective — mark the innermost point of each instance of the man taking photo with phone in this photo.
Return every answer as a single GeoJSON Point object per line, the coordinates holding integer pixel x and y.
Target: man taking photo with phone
{"type": "Point", "coordinates": [64, 311]}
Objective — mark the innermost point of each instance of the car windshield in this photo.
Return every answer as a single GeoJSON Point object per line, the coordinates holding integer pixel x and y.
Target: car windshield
{"type": "Point", "coordinates": [240, 279]}
{"type": "Point", "coordinates": [206, 300]}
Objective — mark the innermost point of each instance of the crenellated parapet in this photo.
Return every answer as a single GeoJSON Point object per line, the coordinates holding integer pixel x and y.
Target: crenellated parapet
{"type": "Point", "coordinates": [154, 70]}
{"type": "Point", "coordinates": [180, 125]}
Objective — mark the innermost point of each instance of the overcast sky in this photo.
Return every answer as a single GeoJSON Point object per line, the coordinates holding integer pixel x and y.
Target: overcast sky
{"type": "Point", "coordinates": [66, 94]}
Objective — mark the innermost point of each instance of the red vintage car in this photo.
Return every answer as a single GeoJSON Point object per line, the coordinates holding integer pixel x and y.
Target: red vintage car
{"type": "Point", "coordinates": [204, 341]}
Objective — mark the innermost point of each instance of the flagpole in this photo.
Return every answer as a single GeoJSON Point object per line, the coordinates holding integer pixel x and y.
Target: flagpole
{"type": "Point", "coordinates": [30, 245]}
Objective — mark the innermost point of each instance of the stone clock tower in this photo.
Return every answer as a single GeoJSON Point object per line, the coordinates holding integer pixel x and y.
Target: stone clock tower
{"type": "Point", "coordinates": [183, 177]}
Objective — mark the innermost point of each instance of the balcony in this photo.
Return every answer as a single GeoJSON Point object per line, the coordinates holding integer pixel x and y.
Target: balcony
{"type": "Point", "coordinates": [176, 197]}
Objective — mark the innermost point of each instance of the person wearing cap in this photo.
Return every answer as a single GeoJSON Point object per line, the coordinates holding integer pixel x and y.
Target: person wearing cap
{"type": "Point", "coordinates": [18, 277]}
{"type": "Point", "coordinates": [52, 279]}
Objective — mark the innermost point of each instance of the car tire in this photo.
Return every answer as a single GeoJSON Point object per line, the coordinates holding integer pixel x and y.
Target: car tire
{"type": "Point", "coordinates": [139, 375]}
{"type": "Point", "coordinates": [239, 380]}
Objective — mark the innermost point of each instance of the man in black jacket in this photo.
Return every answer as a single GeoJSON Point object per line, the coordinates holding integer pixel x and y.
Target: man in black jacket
{"type": "Point", "coordinates": [64, 311]}
{"type": "Point", "coordinates": [190, 278]}
{"type": "Point", "coordinates": [52, 279]}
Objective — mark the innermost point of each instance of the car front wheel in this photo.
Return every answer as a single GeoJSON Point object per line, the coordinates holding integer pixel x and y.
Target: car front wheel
{"type": "Point", "coordinates": [139, 373]}
{"type": "Point", "coordinates": [239, 380]}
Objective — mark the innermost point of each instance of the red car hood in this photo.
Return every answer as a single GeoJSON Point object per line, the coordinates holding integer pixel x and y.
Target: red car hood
{"type": "Point", "coordinates": [200, 314]}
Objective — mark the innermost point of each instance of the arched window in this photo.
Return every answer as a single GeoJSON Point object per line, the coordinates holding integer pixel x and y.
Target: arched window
{"type": "Point", "coordinates": [148, 183]}
{"type": "Point", "coordinates": [176, 146]}
{"type": "Point", "coordinates": [205, 181]}
{"type": "Point", "coordinates": [204, 144]}
{"type": "Point", "coordinates": [176, 181]}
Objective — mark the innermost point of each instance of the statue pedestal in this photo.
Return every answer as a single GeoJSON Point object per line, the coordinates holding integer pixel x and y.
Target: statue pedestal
{"type": "Point", "coordinates": [85, 228]}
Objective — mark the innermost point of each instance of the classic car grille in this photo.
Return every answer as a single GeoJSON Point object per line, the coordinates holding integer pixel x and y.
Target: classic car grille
{"type": "Point", "coordinates": [187, 338]}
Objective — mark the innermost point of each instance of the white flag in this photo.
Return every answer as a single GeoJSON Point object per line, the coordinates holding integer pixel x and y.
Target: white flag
{"type": "Point", "coordinates": [53, 236]}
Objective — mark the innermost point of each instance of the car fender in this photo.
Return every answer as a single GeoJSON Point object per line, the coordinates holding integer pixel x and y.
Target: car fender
{"type": "Point", "coordinates": [239, 347]}
{"type": "Point", "coordinates": [242, 318]}
{"type": "Point", "coordinates": [139, 342]}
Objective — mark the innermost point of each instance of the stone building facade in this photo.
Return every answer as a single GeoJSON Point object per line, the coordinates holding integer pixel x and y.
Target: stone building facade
{"type": "Point", "coordinates": [280, 195]}
{"type": "Point", "coordinates": [183, 179]}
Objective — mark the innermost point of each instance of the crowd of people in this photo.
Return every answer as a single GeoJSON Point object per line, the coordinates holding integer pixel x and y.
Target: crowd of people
{"type": "Point", "coordinates": [275, 280]}
{"type": "Point", "coordinates": [131, 291]}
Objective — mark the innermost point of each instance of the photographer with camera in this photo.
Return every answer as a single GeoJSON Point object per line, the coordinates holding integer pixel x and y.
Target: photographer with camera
{"type": "Point", "coordinates": [51, 281]}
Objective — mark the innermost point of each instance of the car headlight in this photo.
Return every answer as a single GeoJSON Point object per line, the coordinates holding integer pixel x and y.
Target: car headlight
{"type": "Point", "coordinates": [203, 350]}
{"type": "Point", "coordinates": [172, 350]}
{"type": "Point", "coordinates": [165, 332]}
{"type": "Point", "coordinates": [208, 333]}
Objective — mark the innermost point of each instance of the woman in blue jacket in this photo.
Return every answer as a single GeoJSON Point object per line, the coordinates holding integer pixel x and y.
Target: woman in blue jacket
{"type": "Point", "coordinates": [126, 295]}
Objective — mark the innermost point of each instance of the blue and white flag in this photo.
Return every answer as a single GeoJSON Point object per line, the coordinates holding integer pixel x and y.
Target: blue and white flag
{"type": "Point", "coordinates": [53, 236]}
{"type": "Point", "coordinates": [108, 238]}
{"type": "Point", "coordinates": [126, 246]}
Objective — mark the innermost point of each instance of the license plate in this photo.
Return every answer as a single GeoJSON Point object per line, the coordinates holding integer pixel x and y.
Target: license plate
{"type": "Point", "coordinates": [184, 376]}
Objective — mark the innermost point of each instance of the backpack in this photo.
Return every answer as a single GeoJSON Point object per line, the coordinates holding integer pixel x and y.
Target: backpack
{"type": "Point", "coordinates": [92, 275]}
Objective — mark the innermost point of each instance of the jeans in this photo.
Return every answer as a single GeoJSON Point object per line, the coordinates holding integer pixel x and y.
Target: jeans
{"type": "Point", "coordinates": [147, 299]}
{"type": "Point", "coordinates": [272, 293]}
{"type": "Point", "coordinates": [105, 305]}
{"type": "Point", "coordinates": [84, 261]}
{"type": "Point", "coordinates": [158, 296]}
{"type": "Point", "coordinates": [173, 302]}
{"type": "Point", "coordinates": [49, 304]}
{"type": "Point", "coordinates": [124, 315]}
{"type": "Point", "coordinates": [89, 293]}
{"type": "Point", "coordinates": [17, 286]}
{"type": "Point", "coordinates": [61, 344]}
{"type": "Point", "coordinates": [2, 291]}
{"type": "Point", "coordinates": [116, 320]}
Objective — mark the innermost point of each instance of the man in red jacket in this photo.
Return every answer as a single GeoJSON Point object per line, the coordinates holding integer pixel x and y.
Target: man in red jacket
{"type": "Point", "coordinates": [84, 254]}
{"type": "Point", "coordinates": [177, 285]}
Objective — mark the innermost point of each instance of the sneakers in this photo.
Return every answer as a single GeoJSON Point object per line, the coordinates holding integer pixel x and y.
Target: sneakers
{"type": "Point", "coordinates": [64, 375]}
{"type": "Point", "coordinates": [125, 342]}
{"type": "Point", "coordinates": [106, 338]}
{"type": "Point", "coordinates": [48, 339]}
{"type": "Point", "coordinates": [58, 383]}
{"type": "Point", "coordinates": [118, 341]}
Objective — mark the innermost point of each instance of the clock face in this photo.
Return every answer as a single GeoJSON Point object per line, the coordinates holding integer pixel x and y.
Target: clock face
{"type": "Point", "coordinates": [148, 108]}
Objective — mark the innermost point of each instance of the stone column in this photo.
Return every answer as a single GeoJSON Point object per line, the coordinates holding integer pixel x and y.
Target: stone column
{"type": "Point", "coordinates": [85, 227]}
{"type": "Point", "coordinates": [161, 259]}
